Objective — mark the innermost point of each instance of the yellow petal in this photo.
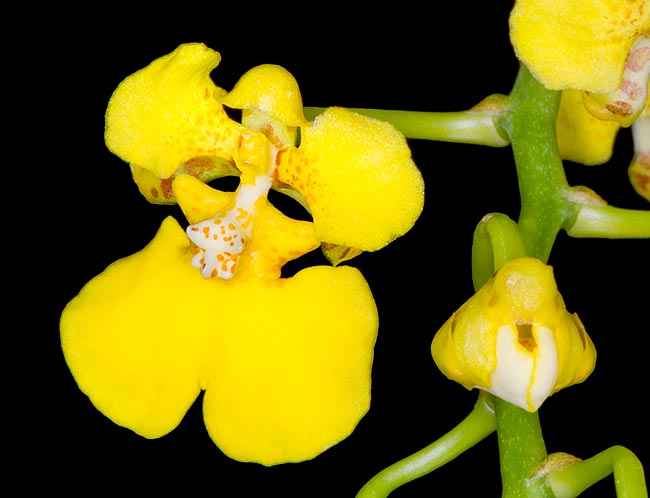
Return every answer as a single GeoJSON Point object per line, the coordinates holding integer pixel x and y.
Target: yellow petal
{"type": "Point", "coordinates": [358, 178]}
{"type": "Point", "coordinates": [580, 44]}
{"type": "Point", "coordinates": [296, 376]}
{"type": "Point", "coordinates": [581, 137]}
{"type": "Point", "coordinates": [285, 363]}
{"type": "Point", "coordinates": [515, 338]}
{"type": "Point", "coordinates": [165, 114]}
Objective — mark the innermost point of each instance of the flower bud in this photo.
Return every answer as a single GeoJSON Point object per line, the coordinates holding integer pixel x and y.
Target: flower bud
{"type": "Point", "coordinates": [515, 339]}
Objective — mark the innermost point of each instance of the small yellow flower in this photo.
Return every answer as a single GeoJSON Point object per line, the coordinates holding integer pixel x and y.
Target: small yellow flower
{"type": "Point", "coordinates": [515, 339]}
{"type": "Point", "coordinates": [579, 44]}
{"type": "Point", "coordinates": [284, 362]}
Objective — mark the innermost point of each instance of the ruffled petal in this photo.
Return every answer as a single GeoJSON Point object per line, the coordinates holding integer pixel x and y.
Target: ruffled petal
{"type": "Point", "coordinates": [579, 44]}
{"type": "Point", "coordinates": [296, 362]}
{"type": "Point", "coordinates": [135, 336]}
{"type": "Point", "coordinates": [165, 114]}
{"type": "Point", "coordinates": [358, 178]}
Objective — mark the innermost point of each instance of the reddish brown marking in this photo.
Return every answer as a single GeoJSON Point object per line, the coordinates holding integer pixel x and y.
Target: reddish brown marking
{"type": "Point", "coordinates": [198, 165]}
{"type": "Point", "coordinates": [642, 181]}
{"type": "Point", "coordinates": [619, 108]}
{"type": "Point", "coordinates": [644, 161]}
{"type": "Point", "coordinates": [166, 186]}
{"type": "Point", "coordinates": [278, 156]}
{"type": "Point", "coordinates": [637, 59]}
{"type": "Point", "coordinates": [631, 89]}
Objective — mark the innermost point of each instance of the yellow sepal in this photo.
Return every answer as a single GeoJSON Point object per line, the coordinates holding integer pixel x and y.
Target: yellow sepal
{"type": "Point", "coordinates": [166, 113]}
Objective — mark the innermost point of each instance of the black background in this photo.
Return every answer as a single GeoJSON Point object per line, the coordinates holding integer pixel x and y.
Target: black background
{"type": "Point", "coordinates": [92, 214]}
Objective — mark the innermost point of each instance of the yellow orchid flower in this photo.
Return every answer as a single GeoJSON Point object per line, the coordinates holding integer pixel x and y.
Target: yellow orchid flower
{"type": "Point", "coordinates": [515, 339]}
{"type": "Point", "coordinates": [579, 44]}
{"type": "Point", "coordinates": [284, 362]}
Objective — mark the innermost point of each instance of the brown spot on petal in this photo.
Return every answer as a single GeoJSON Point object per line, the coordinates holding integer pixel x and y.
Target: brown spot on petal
{"type": "Point", "coordinates": [620, 108]}
{"type": "Point", "coordinates": [166, 186]}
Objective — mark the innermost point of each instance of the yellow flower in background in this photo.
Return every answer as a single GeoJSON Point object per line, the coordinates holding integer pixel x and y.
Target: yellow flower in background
{"type": "Point", "coordinates": [579, 44]}
{"type": "Point", "coordinates": [515, 339]}
{"type": "Point", "coordinates": [639, 169]}
{"type": "Point", "coordinates": [284, 362]}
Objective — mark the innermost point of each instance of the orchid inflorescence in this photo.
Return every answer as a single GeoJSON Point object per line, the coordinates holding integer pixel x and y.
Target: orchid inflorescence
{"type": "Point", "coordinates": [285, 361]}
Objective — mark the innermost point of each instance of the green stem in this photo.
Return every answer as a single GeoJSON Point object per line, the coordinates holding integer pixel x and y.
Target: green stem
{"type": "Point", "coordinates": [610, 222]}
{"type": "Point", "coordinates": [474, 428]}
{"type": "Point", "coordinates": [629, 478]}
{"type": "Point", "coordinates": [473, 126]}
{"type": "Point", "coordinates": [522, 449]}
{"type": "Point", "coordinates": [544, 211]}
{"type": "Point", "coordinates": [540, 172]}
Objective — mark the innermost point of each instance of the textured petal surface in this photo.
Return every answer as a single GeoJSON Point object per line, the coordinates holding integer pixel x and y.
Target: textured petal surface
{"type": "Point", "coordinates": [580, 44]}
{"type": "Point", "coordinates": [357, 175]}
{"type": "Point", "coordinates": [167, 113]}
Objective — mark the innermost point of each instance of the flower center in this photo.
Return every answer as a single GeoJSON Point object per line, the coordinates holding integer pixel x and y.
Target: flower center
{"type": "Point", "coordinates": [221, 240]}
